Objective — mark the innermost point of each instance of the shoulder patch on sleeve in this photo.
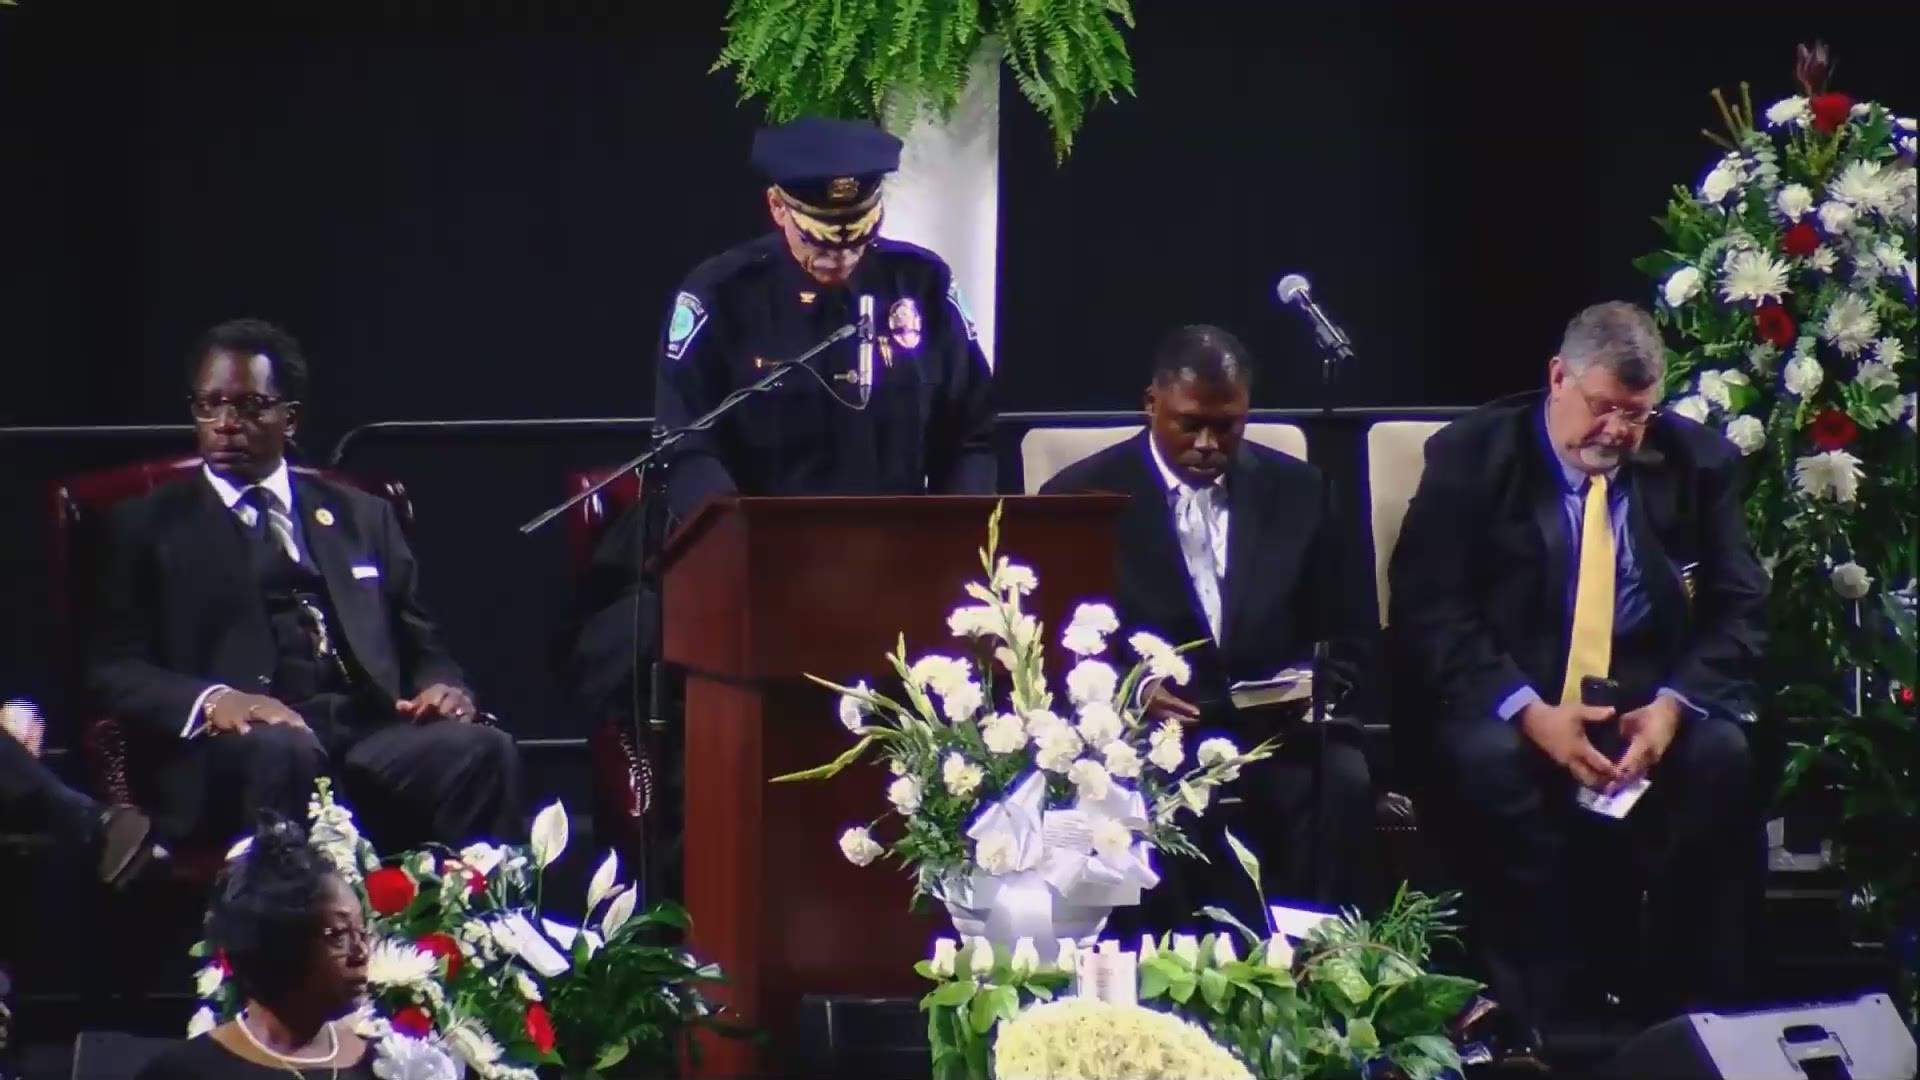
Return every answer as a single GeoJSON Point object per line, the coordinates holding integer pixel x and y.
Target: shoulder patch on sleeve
{"type": "Point", "coordinates": [960, 305]}
{"type": "Point", "coordinates": [689, 315]}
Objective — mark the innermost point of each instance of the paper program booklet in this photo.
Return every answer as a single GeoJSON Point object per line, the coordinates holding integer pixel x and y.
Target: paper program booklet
{"type": "Point", "coordinates": [1293, 684]}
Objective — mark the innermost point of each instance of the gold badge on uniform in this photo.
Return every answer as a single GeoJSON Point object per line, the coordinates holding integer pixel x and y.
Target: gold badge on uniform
{"type": "Point", "coordinates": [323, 516]}
{"type": "Point", "coordinates": [843, 189]}
{"type": "Point", "coordinates": [903, 322]}
{"type": "Point", "coordinates": [1686, 579]}
{"type": "Point", "coordinates": [807, 297]}
{"type": "Point", "coordinates": [886, 351]}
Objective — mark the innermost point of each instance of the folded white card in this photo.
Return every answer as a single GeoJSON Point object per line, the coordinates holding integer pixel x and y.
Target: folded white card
{"type": "Point", "coordinates": [1615, 805]}
{"type": "Point", "coordinates": [361, 573]}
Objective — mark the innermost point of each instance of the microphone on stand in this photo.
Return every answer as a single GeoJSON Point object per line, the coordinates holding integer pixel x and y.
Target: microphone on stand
{"type": "Point", "coordinates": [863, 377]}
{"type": "Point", "coordinates": [1296, 290]}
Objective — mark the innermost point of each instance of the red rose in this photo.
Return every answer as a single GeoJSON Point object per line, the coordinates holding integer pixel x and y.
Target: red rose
{"type": "Point", "coordinates": [1801, 240]}
{"type": "Point", "coordinates": [1833, 429]}
{"type": "Point", "coordinates": [220, 958]}
{"type": "Point", "coordinates": [1830, 111]}
{"type": "Point", "coordinates": [413, 1021]}
{"type": "Point", "coordinates": [390, 890]}
{"type": "Point", "coordinates": [443, 946]}
{"type": "Point", "coordinates": [540, 1028]}
{"type": "Point", "coordinates": [1774, 324]}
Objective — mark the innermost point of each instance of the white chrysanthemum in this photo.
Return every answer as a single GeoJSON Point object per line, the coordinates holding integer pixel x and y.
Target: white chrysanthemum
{"type": "Point", "coordinates": [1834, 474]}
{"type": "Point", "coordinates": [402, 1057]}
{"type": "Point", "coordinates": [1836, 218]}
{"type": "Point", "coordinates": [1875, 375]}
{"type": "Point", "coordinates": [1794, 201]}
{"type": "Point", "coordinates": [1850, 324]}
{"type": "Point", "coordinates": [1123, 761]}
{"type": "Point", "coordinates": [1789, 112]}
{"type": "Point", "coordinates": [1803, 375]}
{"type": "Point", "coordinates": [1760, 357]}
{"type": "Point", "coordinates": [1112, 839]}
{"type": "Point", "coordinates": [904, 794]}
{"type": "Point", "coordinates": [1099, 724]}
{"type": "Point", "coordinates": [399, 964]}
{"type": "Point", "coordinates": [1865, 186]}
{"type": "Point", "coordinates": [1164, 746]}
{"type": "Point", "coordinates": [1823, 260]}
{"type": "Point", "coordinates": [1081, 1038]}
{"type": "Point", "coordinates": [1163, 661]}
{"type": "Point", "coordinates": [1212, 752]}
{"type": "Point", "coordinates": [1851, 580]}
{"type": "Point", "coordinates": [1747, 433]}
{"type": "Point", "coordinates": [996, 853]}
{"type": "Point", "coordinates": [961, 776]}
{"type": "Point", "coordinates": [203, 1021]}
{"type": "Point", "coordinates": [859, 847]}
{"type": "Point", "coordinates": [1754, 276]}
{"type": "Point", "coordinates": [1092, 680]}
{"type": "Point", "coordinates": [854, 710]}
{"type": "Point", "coordinates": [472, 1043]}
{"type": "Point", "coordinates": [1090, 779]}
{"type": "Point", "coordinates": [1725, 179]}
{"type": "Point", "coordinates": [974, 620]}
{"type": "Point", "coordinates": [1682, 285]}
{"type": "Point", "coordinates": [1693, 407]}
{"type": "Point", "coordinates": [1717, 387]}
{"type": "Point", "coordinates": [1058, 750]}
{"type": "Point", "coordinates": [1004, 734]}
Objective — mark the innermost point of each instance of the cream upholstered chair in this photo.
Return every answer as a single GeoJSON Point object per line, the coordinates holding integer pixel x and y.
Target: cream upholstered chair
{"type": "Point", "coordinates": [1396, 456]}
{"type": "Point", "coordinates": [1046, 451]}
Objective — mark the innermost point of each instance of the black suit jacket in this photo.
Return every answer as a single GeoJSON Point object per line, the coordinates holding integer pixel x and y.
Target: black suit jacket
{"type": "Point", "coordinates": [178, 610]}
{"type": "Point", "coordinates": [1479, 579]}
{"type": "Point", "coordinates": [1283, 571]}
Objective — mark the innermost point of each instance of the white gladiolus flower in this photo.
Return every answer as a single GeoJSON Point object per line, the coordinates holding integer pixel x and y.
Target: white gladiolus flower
{"type": "Point", "coordinates": [1747, 433]}
{"type": "Point", "coordinates": [1164, 748]}
{"type": "Point", "coordinates": [1004, 734]}
{"type": "Point", "coordinates": [604, 879]}
{"type": "Point", "coordinates": [1163, 662]}
{"type": "Point", "coordinates": [1090, 779]}
{"type": "Point", "coordinates": [1112, 839]}
{"type": "Point", "coordinates": [858, 846]}
{"type": "Point", "coordinates": [549, 836]}
{"type": "Point", "coordinates": [1874, 375]}
{"type": "Point", "coordinates": [1682, 285]}
{"type": "Point", "coordinates": [946, 953]}
{"type": "Point", "coordinates": [1850, 324]}
{"type": "Point", "coordinates": [1099, 724]}
{"type": "Point", "coordinates": [400, 965]}
{"type": "Point", "coordinates": [1789, 112]}
{"type": "Point", "coordinates": [1216, 752]}
{"type": "Point", "coordinates": [1836, 218]}
{"type": "Point", "coordinates": [1833, 475]}
{"type": "Point", "coordinates": [981, 960]}
{"type": "Point", "coordinates": [996, 854]}
{"type": "Point", "coordinates": [1717, 387]}
{"type": "Point", "coordinates": [904, 794]}
{"type": "Point", "coordinates": [1123, 761]}
{"type": "Point", "coordinates": [1851, 580]}
{"type": "Point", "coordinates": [1223, 953]}
{"type": "Point", "coordinates": [1279, 954]}
{"type": "Point", "coordinates": [1794, 201]}
{"type": "Point", "coordinates": [1092, 680]}
{"type": "Point", "coordinates": [203, 1021]}
{"type": "Point", "coordinates": [1187, 947]}
{"type": "Point", "coordinates": [1025, 959]}
{"type": "Point", "coordinates": [1023, 631]}
{"type": "Point", "coordinates": [974, 620]}
{"type": "Point", "coordinates": [1196, 796]}
{"type": "Point", "coordinates": [206, 982]}
{"type": "Point", "coordinates": [1754, 276]}
{"type": "Point", "coordinates": [1890, 351]}
{"type": "Point", "coordinates": [1693, 407]}
{"type": "Point", "coordinates": [1064, 955]}
{"type": "Point", "coordinates": [1803, 375]}
{"type": "Point", "coordinates": [524, 983]}
{"type": "Point", "coordinates": [961, 777]}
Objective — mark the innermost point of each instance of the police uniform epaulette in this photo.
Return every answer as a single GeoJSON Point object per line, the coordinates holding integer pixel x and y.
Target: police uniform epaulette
{"type": "Point", "coordinates": [901, 249]}
{"type": "Point", "coordinates": [742, 261]}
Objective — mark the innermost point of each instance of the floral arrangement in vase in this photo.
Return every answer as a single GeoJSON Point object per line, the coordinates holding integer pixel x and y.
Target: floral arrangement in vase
{"type": "Point", "coordinates": [1788, 283]}
{"type": "Point", "coordinates": [1029, 815]}
{"type": "Point", "coordinates": [464, 972]}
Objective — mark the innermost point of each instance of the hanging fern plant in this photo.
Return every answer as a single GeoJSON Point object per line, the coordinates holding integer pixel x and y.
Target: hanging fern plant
{"type": "Point", "coordinates": [849, 58]}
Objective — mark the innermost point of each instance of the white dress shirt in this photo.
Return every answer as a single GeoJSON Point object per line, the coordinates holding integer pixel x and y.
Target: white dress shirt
{"type": "Point", "coordinates": [281, 521]}
{"type": "Point", "coordinates": [1200, 523]}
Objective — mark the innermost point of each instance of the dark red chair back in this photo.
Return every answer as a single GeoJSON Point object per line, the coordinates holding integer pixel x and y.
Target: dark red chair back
{"type": "Point", "coordinates": [588, 520]}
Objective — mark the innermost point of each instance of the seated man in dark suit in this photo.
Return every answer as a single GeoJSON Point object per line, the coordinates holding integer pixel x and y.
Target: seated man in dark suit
{"type": "Point", "coordinates": [33, 798]}
{"type": "Point", "coordinates": [1233, 543]}
{"type": "Point", "coordinates": [255, 626]}
{"type": "Point", "coordinates": [1584, 536]}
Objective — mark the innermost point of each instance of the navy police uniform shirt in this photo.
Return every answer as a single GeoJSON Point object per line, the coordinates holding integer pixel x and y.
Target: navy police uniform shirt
{"type": "Point", "coordinates": [927, 426]}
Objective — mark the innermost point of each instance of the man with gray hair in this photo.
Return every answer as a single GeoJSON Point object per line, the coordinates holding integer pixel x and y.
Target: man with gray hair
{"type": "Point", "coordinates": [1576, 600]}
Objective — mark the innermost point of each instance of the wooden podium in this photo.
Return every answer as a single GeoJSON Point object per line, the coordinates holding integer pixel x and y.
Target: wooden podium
{"type": "Point", "coordinates": [761, 592]}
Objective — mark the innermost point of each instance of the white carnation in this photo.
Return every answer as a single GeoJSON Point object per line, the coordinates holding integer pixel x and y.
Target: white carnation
{"type": "Point", "coordinates": [1724, 180]}
{"type": "Point", "coordinates": [203, 1021]}
{"type": "Point", "coordinates": [1693, 407]}
{"type": "Point", "coordinates": [1090, 779]}
{"type": "Point", "coordinates": [1836, 218]}
{"type": "Point", "coordinates": [1043, 724]}
{"type": "Point", "coordinates": [961, 777]}
{"type": "Point", "coordinates": [1747, 433]}
{"type": "Point", "coordinates": [859, 847]}
{"type": "Point", "coordinates": [1058, 750]}
{"type": "Point", "coordinates": [1164, 746]}
{"type": "Point", "coordinates": [1717, 387]}
{"type": "Point", "coordinates": [1010, 576]}
{"type": "Point", "coordinates": [1803, 375]}
{"type": "Point", "coordinates": [939, 673]}
{"type": "Point", "coordinates": [961, 700]}
{"type": "Point", "coordinates": [1004, 734]}
{"type": "Point", "coordinates": [1789, 112]}
{"type": "Point", "coordinates": [996, 853]}
{"type": "Point", "coordinates": [974, 620]}
{"type": "Point", "coordinates": [1214, 752]}
{"type": "Point", "coordinates": [1834, 474]}
{"type": "Point", "coordinates": [853, 710]}
{"type": "Point", "coordinates": [1851, 580]}
{"type": "Point", "coordinates": [1794, 201]}
{"type": "Point", "coordinates": [206, 982]}
{"type": "Point", "coordinates": [1087, 634]}
{"type": "Point", "coordinates": [1163, 661]}
{"type": "Point", "coordinates": [1092, 680]}
{"type": "Point", "coordinates": [1123, 761]}
{"type": "Point", "coordinates": [1099, 724]}
{"type": "Point", "coordinates": [1850, 324]}
{"type": "Point", "coordinates": [1682, 285]}
{"type": "Point", "coordinates": [904, 793]}
{"type": "Point", "coordinates": [1112, 839]}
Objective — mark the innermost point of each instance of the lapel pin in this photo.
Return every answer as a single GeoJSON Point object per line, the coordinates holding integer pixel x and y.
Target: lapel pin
{"type": "Point", "coordinates": [323, 516]}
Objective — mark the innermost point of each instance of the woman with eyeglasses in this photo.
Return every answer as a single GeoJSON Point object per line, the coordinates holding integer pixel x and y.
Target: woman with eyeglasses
{"type": "Point", "coordinates": [295, 936]}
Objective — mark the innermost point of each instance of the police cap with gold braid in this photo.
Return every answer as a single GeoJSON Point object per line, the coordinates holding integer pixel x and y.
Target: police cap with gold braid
{"type": "Point", "coordinates": [828, 173]}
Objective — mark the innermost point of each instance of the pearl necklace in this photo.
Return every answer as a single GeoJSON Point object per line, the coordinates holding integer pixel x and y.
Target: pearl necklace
{"type": "Point", "coordinates": [331, 1057]}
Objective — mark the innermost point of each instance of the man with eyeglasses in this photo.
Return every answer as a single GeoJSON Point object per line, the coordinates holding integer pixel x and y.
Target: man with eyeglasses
{"type": "Point", "coordinates": [257, 628]}
{"type": "Point", "coordinates": [1575, 596]}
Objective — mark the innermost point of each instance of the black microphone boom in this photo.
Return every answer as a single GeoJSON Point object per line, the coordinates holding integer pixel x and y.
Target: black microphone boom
{"type": "Point", "coordinates": [1294, 289]}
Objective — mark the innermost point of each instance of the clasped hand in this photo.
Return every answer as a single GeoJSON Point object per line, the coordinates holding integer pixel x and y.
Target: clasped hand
{"type": "Point", "coordinates": [1560, 733]}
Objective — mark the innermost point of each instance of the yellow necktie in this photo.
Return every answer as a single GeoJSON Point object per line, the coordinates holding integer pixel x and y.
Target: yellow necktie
{"type": "Point", "coordinates": [1590, 649]}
